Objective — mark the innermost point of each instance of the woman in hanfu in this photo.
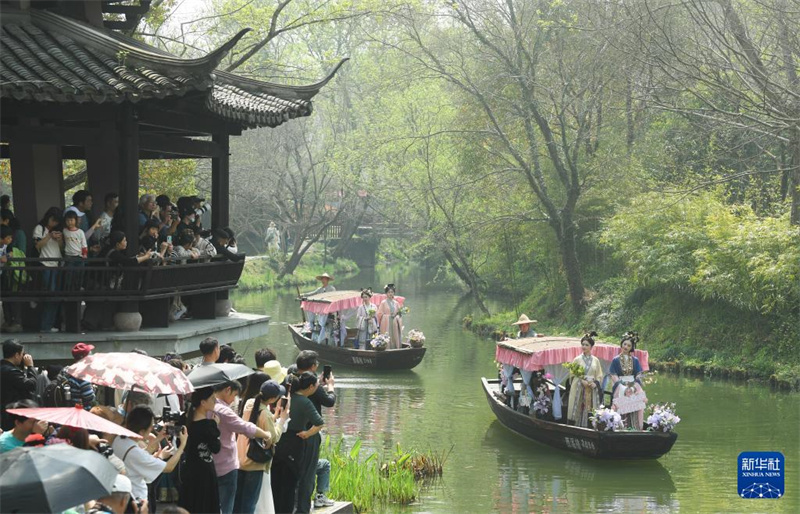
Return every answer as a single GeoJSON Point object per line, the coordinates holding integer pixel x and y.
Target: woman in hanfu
{"type": "Point", "coordinates": [390, 319]}
{"type": "Point", "coordinates": [585, 394]}
{"type": "Point", "coordinates": [628, 397]}
{"type": "Point", "coordinates": [365, 318]}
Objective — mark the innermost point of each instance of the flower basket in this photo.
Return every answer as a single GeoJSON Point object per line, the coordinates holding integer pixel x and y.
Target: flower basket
{"type": "Point", "coordinates": [416, 339]}
{"type": "Point", "coordinates": [662, 418]}
{"type": "Point", "coordinates": [606, 420]}
{"type": "Point", "coordinates": [380, 342]}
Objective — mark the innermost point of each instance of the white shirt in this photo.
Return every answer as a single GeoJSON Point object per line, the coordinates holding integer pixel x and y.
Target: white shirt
{"type": "Point", "coordinates": [142, 467]}
{"type": "Point", "coordinates": [51, 250]}
{"type": "Point", "coordinates": [74, 242]}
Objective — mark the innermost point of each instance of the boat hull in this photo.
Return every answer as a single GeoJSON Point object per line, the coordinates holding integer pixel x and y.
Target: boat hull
{"type": "Point", "coordinates": [404, 358]}
{"type": "Point", "coordinates": [591, 443]}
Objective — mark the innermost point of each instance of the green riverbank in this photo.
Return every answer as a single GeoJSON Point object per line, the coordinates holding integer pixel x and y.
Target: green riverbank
{"type": "Point", "coordinates": [683, 334]}
{"type": "Point", "coordinates": [260, 273]}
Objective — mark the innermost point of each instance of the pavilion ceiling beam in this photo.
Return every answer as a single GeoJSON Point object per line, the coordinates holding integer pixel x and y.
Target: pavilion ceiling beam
{"type": "Point", "coordinates": [179, 146]}
{"type": "Point", "coordinates": [59, 136]}
{"type": "Point", "coordinates": [186, 122]}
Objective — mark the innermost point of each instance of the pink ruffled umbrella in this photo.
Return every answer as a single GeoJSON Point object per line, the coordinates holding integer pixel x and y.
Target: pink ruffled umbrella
{"type": "Point", "coordinates": [75, 417]}
{"type": "Point", "coordinates": [131, 371]}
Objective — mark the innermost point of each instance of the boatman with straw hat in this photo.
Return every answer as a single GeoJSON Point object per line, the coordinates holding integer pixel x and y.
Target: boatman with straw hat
{"type": "Point", "coordinates": [525, 328]}
{"type": "Point", "coordinates": [318, 322]}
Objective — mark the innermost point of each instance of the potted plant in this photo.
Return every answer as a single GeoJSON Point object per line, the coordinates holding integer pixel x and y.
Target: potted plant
{"type": "Point", "coordinates": [416, 338]}
{"type": "Point", "coordinates": [380, 342]}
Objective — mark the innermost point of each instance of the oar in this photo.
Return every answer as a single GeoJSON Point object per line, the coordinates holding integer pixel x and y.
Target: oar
{"type": "Point", "coordinates": [300, 297]}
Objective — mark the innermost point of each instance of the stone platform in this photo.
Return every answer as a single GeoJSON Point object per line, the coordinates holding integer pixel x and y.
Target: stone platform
{"type": "Point", "coordinates": [182, 337]}
{"type": "Point", "coordinates": [338, 508]}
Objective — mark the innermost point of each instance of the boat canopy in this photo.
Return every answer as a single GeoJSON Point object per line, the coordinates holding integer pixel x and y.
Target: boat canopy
{"type": "Point", "coordinates": [534, 353]}
{"type": "Point", "coordinates": [334, 301]}
{"type": "Point", "coordinates": [531, 354]}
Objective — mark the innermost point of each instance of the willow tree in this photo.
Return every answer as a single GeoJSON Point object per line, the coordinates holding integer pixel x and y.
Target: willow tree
{"type": "Point", "coordinates": [539, 85]}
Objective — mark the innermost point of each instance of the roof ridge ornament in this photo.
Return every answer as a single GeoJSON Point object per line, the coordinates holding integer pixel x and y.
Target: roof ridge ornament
{"type": "Point", "coordinates": [287, 91]}
{"type": "Point", "coordinates": [135, 51]}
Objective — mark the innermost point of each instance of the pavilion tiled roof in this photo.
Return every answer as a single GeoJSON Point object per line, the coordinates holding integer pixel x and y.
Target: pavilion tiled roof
{"type": "Point", "coordinates": [45, 57]}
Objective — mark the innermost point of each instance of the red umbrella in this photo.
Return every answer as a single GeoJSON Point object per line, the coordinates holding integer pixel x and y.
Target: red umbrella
{"type": "Point", "coordinates": [129, 371]}
{"type": "Point", "coordinates": [75, 417]}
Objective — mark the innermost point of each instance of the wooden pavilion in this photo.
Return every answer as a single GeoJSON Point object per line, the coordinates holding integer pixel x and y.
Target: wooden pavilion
{"type": "Point", "coordinates": [71, 87]}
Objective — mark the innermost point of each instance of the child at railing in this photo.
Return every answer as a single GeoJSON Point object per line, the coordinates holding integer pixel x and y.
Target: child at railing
{"type": "Point", "coordinates": [75, 251]}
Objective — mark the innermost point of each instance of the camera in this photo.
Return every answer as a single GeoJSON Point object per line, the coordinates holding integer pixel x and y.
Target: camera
{"type": "Point", "coordinates": [171, 420]}
{"type": "Point", "coordinates": [105, 450]}
{"type": "Point", "coordinates": [167, 416]}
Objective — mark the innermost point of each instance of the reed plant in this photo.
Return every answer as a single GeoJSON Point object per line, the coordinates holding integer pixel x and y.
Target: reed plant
{"type": "Point", "coordinates": [371, 481]}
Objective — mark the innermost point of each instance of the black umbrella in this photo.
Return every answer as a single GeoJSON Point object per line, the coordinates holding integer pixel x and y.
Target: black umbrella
{"type": "Point", "coordinates": [215, 374]}
{"type": "Point", "coordinates": [52, 478]}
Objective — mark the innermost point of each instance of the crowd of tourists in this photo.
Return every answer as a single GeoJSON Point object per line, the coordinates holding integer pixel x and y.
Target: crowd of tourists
{"type": "Point", "coordinates": [168, 234]}
{"type": "Point", "coordinates": [200, 460]}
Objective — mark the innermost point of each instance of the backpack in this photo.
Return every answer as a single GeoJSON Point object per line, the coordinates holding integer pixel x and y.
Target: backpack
{"type": "Point", "coordinates": [54, 395]}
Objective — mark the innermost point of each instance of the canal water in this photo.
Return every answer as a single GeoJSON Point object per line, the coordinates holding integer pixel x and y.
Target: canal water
{"type": "Point", "coordinates": [440, 405]}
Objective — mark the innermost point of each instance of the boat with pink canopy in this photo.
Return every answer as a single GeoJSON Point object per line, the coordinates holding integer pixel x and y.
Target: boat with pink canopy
{"type": "Point", "coordinates": [344, 305]}
{"type": "Point", "coordinates": [336, 301]}
{"type": "Point", "coordinates": [547, 355]}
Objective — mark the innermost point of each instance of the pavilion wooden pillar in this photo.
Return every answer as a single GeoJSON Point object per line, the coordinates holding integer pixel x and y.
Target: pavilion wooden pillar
{"type": "Point", "coordinates": [220, 183]}
{"type": "Point", "coordinates": [37, 180]}
{"type": "Point", "coordinates": [102, 166]}
{"type": "Point", "coordinates": [128, 159]}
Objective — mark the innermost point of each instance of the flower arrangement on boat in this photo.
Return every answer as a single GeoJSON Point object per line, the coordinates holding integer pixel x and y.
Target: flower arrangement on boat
{"type": "Point", "coordinates": [416, 338]}
{"type": "Point", "coordinates": [380, 342]}
{"type": "Point", "coordinates": [575, 369]}
{"type": "Point", "coordinates": [542, 403]}
{"type": "Point", "coordinates": [662, 417]}
{"type": "Point", "coordinates": [605, 419]}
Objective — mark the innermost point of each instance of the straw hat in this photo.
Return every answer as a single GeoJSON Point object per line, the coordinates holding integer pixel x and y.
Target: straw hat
{"type": "Point", "coordinates": [523, 320]}
{"type": "Point", "coordinates": [324, 275]}
{"type": "Point", "coordinates": [274, 370]}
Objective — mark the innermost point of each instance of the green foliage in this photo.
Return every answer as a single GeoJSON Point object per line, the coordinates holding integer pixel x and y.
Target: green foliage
{"type": "Point", "coordinates": [263, 273]}
{"type": "Point", "coordinates": [715, 251]}
{"type": "Point", "coordinates": [373, 481]}
{"type": "Point", "coordinates": [172, 177]}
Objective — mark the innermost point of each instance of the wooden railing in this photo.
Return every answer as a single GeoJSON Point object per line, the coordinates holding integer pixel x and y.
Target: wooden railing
{"type": "Point", "coordinates": [148, 287]}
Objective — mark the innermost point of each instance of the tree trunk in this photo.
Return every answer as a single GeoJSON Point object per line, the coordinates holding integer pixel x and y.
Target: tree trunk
{"type": "Point", "coordinates": [348, 231]}
{"type": "Point", "coordinates": [469, 278]}
{"type": "Point", "coordinates": [572, 269]}
{"type": "Point", "coordinates": [294, 260]}
{"type": "Point", "coordinates": [794, 183]}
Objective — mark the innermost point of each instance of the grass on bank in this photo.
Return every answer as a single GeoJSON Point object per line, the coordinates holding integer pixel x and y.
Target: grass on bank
{"type": "Point", "coordinates": [263, 273]}
{"type": "Point", "coordinates": [371, 481]}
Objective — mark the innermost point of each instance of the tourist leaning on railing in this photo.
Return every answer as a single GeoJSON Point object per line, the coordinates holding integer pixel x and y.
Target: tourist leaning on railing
{"type": "Point", "coordinates": [48, 242]}
{"type": "Point", "coordinates": [203, 245]}
{"type": "Point", "coordinates": [10, 279]}
{"type": "Point", "coordinates": [220, 240]}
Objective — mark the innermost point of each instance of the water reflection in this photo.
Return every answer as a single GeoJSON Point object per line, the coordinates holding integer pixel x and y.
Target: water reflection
{"type": "Point", "coordinates": [375, 411]}
{"type": "Point", "coordinates": [535, 478]}
{"type": "Point", "coordinates": [440, 404]}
